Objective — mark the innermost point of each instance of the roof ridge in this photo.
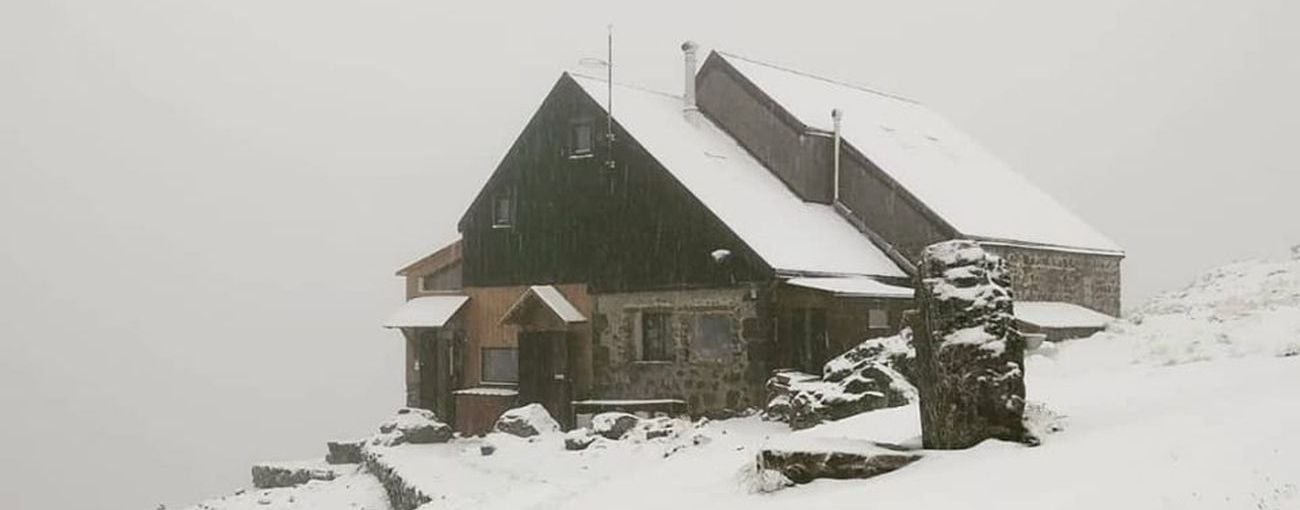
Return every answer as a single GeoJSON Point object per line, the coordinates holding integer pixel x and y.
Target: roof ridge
{"type": "Point", "coordinates": [855, 86]}
{"type": "Point", "coordinates": [641, 88]}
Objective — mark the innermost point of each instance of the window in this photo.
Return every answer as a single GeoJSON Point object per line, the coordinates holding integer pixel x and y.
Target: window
{"type": "Point", "coordinates": [580, 138]}
{"type": "Point", "coordinates": [656, 336]}
{"type": "Point", "coordinates": [503, 210]}
{"type": "Point", "coordinates": [500, 365]}
{"type": "Point", "coordinates": [877, 319]}
{"type": "Point", "coordinates": [714, 336]}
{"type": "Point", "coordinates": [429, 282]}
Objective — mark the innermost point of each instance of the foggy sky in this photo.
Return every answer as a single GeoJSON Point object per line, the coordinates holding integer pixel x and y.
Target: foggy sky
{"type": "Point", "coordinates": [202, 202]}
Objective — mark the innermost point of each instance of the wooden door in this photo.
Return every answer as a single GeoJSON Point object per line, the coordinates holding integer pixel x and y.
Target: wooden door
{"type": "Point", "coordinates": [544, 373]}
{"type": "Point", "coordinates": [436, 373]}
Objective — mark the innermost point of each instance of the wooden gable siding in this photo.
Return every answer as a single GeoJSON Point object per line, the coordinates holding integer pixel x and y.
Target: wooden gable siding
{"type": "Point", "coordinates": [763, 128]}
{"type": "Point", "coordinates": [633, 228]}
{"type": "Point", "coordinates": [806, 161]}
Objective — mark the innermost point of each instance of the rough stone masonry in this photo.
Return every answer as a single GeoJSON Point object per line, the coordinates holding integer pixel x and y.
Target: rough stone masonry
{"type": "Point", "coordinates": [970, 358]}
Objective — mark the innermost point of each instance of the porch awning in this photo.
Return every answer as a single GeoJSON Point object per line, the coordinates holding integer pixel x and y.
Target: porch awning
{"type": "Point", "coordinates": [426, 311]}
{"type": "Point", "coordinates": [1059, 315]}
{"type": "Point", "coordinates": [852, 286]}
{"type": "Point", "coordinates": [551, 299]}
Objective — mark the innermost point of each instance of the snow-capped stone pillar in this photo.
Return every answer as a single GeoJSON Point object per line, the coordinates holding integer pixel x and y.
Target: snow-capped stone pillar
{"type": "Point", "coordinates": [969, 355]}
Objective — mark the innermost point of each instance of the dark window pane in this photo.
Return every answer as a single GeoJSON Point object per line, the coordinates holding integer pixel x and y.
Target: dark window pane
{"type": "Point", "coordinates": [656, 336]}
{"type": "Point", "coordinates": [582, 142]}
{"type": "Point", "coordinates": [714, 337]}
{"type": "Point", "coordinates": [500, 365]}
{"type": "Point", "coordinates": [501, 210]}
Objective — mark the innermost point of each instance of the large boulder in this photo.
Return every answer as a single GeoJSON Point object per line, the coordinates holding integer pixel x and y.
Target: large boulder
{"type": "Point", "coordinates": [613, 425]}
{"type": "Point", "coordinates": [860, 380]}
{"type": "Point", "coordinates": [527, 421]}
{"type": "Point", "coordinates": [969, 356]}
{"type": "Point", "coordinates": [414, 426]}
{"type": "Point", "coordinates": [806, 460]}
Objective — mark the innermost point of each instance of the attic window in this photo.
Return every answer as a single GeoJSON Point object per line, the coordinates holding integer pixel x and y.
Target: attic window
{"type": "Point", "coordinates": [580, 139]}
{"type": "Point", "coordinates": [503, 210]}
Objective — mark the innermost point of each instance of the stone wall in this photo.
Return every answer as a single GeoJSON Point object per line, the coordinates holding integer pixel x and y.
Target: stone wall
{"type": "Point", "coordinates": [708, 382]}
{"type": "Point", "coordinates": [1085, 279]}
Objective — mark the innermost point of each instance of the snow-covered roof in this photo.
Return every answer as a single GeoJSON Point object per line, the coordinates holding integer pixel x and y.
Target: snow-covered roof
{"type": "Point", "coordinates": [1055, 314]}
{"type": "Point", "coordinates": [945, 169]}
{"type": "Point", "coordinates": [550, 296]}
{"type": "Point", "coordinates": [789, 234]}
{"type": "Point", "coordinates": [426, 311]}
{"type": "Point", "coordinates": [851, 286]}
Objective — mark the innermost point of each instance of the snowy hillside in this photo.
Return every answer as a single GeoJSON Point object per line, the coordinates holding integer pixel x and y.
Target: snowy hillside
{"type": "Point", "coordinates": [1191, 405]}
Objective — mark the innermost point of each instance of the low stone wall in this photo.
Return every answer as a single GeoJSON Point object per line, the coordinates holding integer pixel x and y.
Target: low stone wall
{"type": "Point", "coordinates": [288, 474]}
{"type": "Point", "coordinates": [401, 495]}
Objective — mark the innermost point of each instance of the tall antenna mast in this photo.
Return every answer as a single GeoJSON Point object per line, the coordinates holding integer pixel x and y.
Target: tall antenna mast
{"type": "Point", "coordinates": [609, 96]}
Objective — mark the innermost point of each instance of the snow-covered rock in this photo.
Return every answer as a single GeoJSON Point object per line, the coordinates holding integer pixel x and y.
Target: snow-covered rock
{"type": "Point", "coordinates": [412, 425]}
{"type": "Point", "coordinates": [969, 356]}
{"type": "Point", "coordinates": [613, 425]}
{"type": "Point", "coordinates": [578, 439]}
{"type": "Point", "coordinates": [527, 421]}
{"type": "Point", "coordinates": [806, 459]}
{"type": "Point", "coordinates": [862, 379]}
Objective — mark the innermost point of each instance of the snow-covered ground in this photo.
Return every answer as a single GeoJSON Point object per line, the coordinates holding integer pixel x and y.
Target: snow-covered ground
{"type": "Point", "coordinates": [1193, 404]}
{"type": "Point", "coordinates": [353, 491]}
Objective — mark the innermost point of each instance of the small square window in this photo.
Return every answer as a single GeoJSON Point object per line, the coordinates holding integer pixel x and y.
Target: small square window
{"type": "Point", "coordinates": [656, 336]}
{"type": "Point", "coordinates": [500, 365]}
{"type": "Point", "coordinates": [877, 319]}
{"type": "Point", "coordinates": [580, 138]}
{"type": "Point", "coordinates": [714, 336]}
{"type": "Point", "coordinates": [502, 210]}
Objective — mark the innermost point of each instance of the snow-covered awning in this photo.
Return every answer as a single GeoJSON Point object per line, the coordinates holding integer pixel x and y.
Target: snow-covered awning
{"type": "Point", "coordinates": [1055, 314]}
{"type": "Point", "coordinates": [426, 311]}
{"type": "Point", "coordinates": [853, 286]}
{"type": "Point", "coordinates": [552, 300]}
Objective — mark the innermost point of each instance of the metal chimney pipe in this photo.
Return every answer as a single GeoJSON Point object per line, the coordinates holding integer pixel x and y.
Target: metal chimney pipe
{"type": "Point", "coordinates": [688, 94]}
{"type": "Point", "coordinates": [836, 117]}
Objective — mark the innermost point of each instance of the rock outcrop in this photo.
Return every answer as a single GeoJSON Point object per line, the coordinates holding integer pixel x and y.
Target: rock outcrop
{"type": "Point", "coordinates": [969, 356]}
{"type": "Point", "coordinates": [802, 462]}
{"type": "Point", "coordinates": [864, 378]}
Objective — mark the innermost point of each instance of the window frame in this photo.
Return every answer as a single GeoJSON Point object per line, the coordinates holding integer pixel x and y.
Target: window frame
{"type": "Point", "coordinates": [666, 332]}
{"type": "Point", "coordinates": [482, 369]}
{"type": "Point", "coordinates": [574, 150]}
{"type": "Point", "coordinates": [508, 197]}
